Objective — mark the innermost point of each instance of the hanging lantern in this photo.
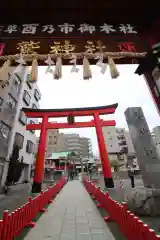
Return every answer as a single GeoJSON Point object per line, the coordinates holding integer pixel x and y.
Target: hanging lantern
{"type": "Point", "coordinates": [4, 73]}
{"type": "Point", "coordinates": [113, 69]}
{"type": "Point", "coordinates": [34, 71]}
{"type": "Point", "coordinates": [58, 69]}
{"type": "Point", "coordinates": [86, 69]}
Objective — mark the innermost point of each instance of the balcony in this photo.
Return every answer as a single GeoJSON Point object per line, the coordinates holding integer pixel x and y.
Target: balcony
{"type": "Point", "coordinates": [8, 113]}
{"type": "Point", "coordinates": [122, 142]}
{"type": "Point", "coordinates": [121, 137]}
{"type": "Point", "coordinates": [124, 149]}
{"type": "Point", "coordinates": [15, 91]}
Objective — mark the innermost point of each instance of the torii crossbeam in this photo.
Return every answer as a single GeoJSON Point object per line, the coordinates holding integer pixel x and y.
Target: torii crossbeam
{"type": "Point", "coordinates": [98, 123]}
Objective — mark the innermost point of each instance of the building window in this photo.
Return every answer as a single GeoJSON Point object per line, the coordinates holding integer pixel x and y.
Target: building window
{"type": "Point", "coordinates": [29, 147]}
{"type": "Point", "coordinates": [55, 140]}
{"type": "Point", "coordinates": [31, 122]}
{"type": "Point", "coordinates": [1, 101]}
{"type": "Point", "coordinates": [34, 106]}
{"type": "Point", "coordinates": [26, 98]}
{"type": "Point", "coordinates": [4, 131]}
{"type": "Point", "coordinates": [16, 83]}
{"type": "Point", "coordinates": [18, 140]}
{"type": "Point", "coordinates": [50, 140]}
{"type": "Point", "coordinates": [11, 101]}
{"type": "Point", "coordinates": [30, 85]}
{"type": "Point", "coordinates": [22, 118]}
{"type": "Point", "coordinates": [37, 95]}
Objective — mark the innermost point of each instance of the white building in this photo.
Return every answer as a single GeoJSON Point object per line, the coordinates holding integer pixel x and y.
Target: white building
{"type": "Point", "coordinates": [20, 93]}
{"type": "Point", "coordinates": [75, 143]}
{"type": "Point", "coordinates": [156, 137]}
{"type": "Point", "coordinates": [131, 150]}
{"type": "Point", "coordinates": [156, 134]}
{"type": "Point", "coordinates": [119, 144]}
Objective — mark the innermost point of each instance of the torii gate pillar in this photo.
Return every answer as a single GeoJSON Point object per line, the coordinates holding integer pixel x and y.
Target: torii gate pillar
{"type": "Point", "coordinates": [103, 153]}
{"type": "Point", "coordinates": [39, 167]}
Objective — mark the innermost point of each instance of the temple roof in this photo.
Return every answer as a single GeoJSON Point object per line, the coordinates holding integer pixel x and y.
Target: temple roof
{"type": "Point", "coordinates": [58, 155]}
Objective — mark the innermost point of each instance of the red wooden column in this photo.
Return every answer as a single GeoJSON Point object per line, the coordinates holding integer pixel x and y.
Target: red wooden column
{"type": "Point", "coordinates": [39, 168]}
{"type": "Point", "coordinates": [103, 153]}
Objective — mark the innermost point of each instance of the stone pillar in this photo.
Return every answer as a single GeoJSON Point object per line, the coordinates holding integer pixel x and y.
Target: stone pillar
{"type": "Point", "coordinates": [146, 152]}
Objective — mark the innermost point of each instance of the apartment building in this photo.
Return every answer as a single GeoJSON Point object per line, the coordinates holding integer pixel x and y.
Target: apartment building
{"type": "Point", "coordinates": [156, 137]}
{"type": "Point", "coordinates": [119, 144]}
{"type": "Point", "coordinates": [86, 147]}
{"type": "Point", "coordinates": [18, 94]}
{"type": "Point", "coordinates": [55, 142]}
{"type": "Point", "coordinates": [80, 145]}
{"type": "Point", "coordinates": [60, 142]}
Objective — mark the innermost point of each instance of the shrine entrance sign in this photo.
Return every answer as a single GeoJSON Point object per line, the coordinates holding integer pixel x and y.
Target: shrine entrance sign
{"type": "Point", "coordinates": [69, 38]}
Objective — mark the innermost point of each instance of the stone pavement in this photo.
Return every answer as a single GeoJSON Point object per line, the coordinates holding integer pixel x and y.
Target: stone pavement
{"type": "Point", "coordinates": [72, 216]}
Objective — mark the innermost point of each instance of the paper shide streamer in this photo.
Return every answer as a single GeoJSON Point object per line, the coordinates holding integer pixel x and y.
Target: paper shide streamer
{"type": "Point", "coordinates": [87, 74]}
{"type": "Point", "coordinates": [74, 69]}
{"type": "Point", "coordinates": [50, 63]}
{"type": "Point", "coordinates": [101, 64]}
{"type": "Point", "coordinates": [58, 69]}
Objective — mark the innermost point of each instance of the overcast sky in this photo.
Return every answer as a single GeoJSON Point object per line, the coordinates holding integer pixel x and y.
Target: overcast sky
{"type": "Point", "coordinates": [129, 90]}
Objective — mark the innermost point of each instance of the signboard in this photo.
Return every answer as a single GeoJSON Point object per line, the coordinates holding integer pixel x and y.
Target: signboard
{"type": "Point", "coordinates": [66, 29]}
{"type": "Point", "coordinates": [69, 38]}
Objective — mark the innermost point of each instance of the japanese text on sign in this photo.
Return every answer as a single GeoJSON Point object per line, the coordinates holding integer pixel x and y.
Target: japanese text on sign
{"type": "Point", "coordinates": [67, 28]}
{"type": "Point", "coordinates": [65, 47]}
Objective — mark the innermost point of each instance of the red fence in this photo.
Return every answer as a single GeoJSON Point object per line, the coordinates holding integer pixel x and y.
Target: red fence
{"type": "Point", "coordinates": [13, 223]}
{"type": "Point", "coordinates": [130, 225]}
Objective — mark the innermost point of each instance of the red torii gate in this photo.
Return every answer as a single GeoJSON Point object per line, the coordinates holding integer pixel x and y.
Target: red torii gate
{"type": "Point", "coordinates": [98, 123]}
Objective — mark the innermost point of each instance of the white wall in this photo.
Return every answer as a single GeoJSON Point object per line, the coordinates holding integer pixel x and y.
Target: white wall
{"type": "Point", "coordinates": [156, 138]}
{"type": "Point", "coordinates": [156, 131]}
{"type": "Point", "coordinates": [131, 149]}
{"type": "Point", "coordinates": [18, 127]}
{"type": "Point", "coordinates": [111, 141]}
